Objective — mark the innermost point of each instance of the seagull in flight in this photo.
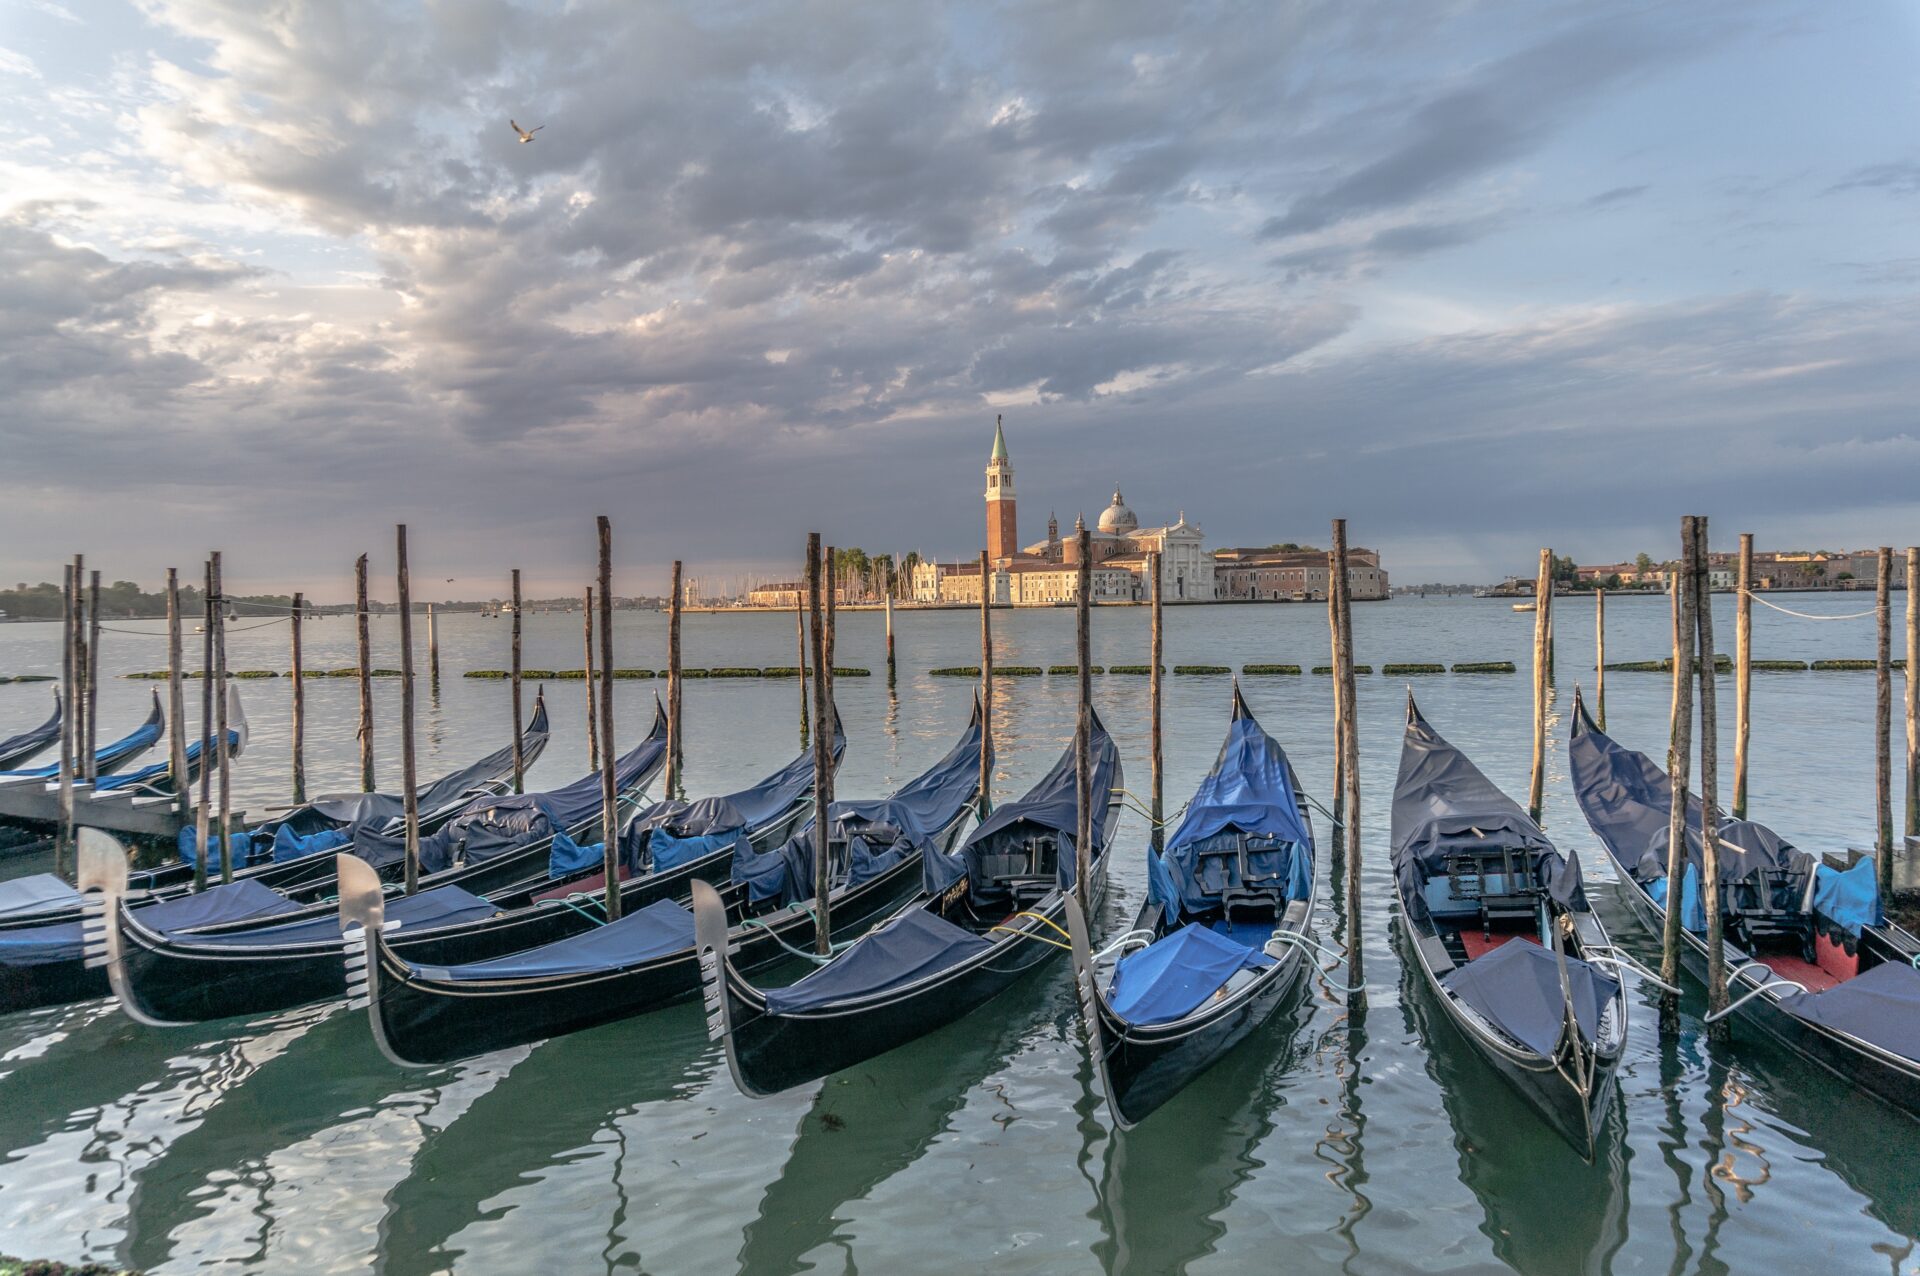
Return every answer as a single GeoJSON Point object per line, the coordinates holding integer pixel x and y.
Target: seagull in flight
{"type": "Point", "coordinates": [526, 134]}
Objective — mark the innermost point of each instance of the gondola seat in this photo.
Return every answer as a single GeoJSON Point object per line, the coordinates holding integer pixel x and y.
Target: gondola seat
{"type": "Point", "coordinates": [1763, 909]}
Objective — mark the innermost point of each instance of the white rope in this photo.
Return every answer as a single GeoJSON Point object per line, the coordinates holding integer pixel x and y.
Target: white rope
{"type": "Point", "coordinates": [1807, 615]}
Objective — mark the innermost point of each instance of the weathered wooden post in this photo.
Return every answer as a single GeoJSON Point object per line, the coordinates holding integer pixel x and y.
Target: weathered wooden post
{"type": "Point", "coordinates": [1154, 655]}
{"type": "Point", "coordinates": [1083, 726]}
{"type": "Point", "coordinates": [410, 799]}
{"type": "Point", "coordinates": [78, 708]}
{"type": "Point", "coordinates": [986, 686]}
{"type": "Point", "coordinates": [1709, 780]}
{"type": "Point", "coordinates": [1350, 763]}
{"type": "Point", "coordinates": [222, 754]}
{"type": "Point", "coordinates": [593, 710]}
{"type": "Point", "coordinates": [1742, 675]}
{"type": "Point", "coordinates": [674, 784]}
{"type": "Point", "coordinates": [1913, 691]}
{"type": "Point", "coordinates": [800, 633]}
{"type": "Point", "coordinates": [830, 587]}
{"type": "Point", "coordinates": [1542, 639]}
{"type": "Point", "coordinates": [299, 704]}
{"type": "Point", "coordinates": [364, 637]}
{"type": "Point", "coordinates": [609, 798]}
{"type": "Point", "coordinates": [92, 749]}
{"type": "Point", "coordinates": [1339, 707]}
{"type": "Point", "coordinates": [890, 669]}
{"type": "Point", "coordinates": [1679, 763]}
{"type": "Point", "coordinates": [176, 701]}
{"type": "Point", "coordinates": [1600, 654]}
{"type": "Point", "coordinates": [822, 756]}
{"type": "Point", "coordinates": [433, 648]}
{"type": "Point", "coordinates": [203, 816]}
{"type": "Point", "coordinates": [1883, 717]}
{"type": "Point", "coordinates": [519, 754]}
{"type": "Point", "coordinates": [63, 849]}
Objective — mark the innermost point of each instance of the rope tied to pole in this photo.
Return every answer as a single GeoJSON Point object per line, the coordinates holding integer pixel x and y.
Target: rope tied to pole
{"type": "Point", "coordinates": [1807, 615]}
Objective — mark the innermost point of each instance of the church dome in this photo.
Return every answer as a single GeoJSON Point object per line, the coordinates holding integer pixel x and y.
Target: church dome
{"type": "Point", "coordinates": [1117, 519]}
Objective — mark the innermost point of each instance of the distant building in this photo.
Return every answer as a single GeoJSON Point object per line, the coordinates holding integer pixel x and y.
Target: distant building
{"type": "Point", "coordinates": [1266, 575]}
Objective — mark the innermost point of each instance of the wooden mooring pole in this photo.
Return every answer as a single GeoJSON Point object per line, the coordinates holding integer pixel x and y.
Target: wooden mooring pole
{"type": "Point", "coordinates": [410, 799]}
{"type": "Point", "coordinates": [822, 755]}
{"type": "Point", "coordinates": [1339, 707]}
{"type": "Point", "coordinates": [63, 849]}
{"type": "Point", "coordinates": [1083, 726]}
{"type": "Point", "coordinates": [890, 668]}
{"type": "Point", "coordinates": [519, 754]}
{"type": "Point", "coordinates": [986, 686]}
{"type": "Point", "coordinates": [299, 703]}
{"type": "Point", "coordinates": [593, 710]}
{"type": "Point", "coordinates": [433, 649]}
{"type": "Point", "coordinates": [1679, 762]}
{"type": "Point", "coordinates": [92, 749]}
{"type": "Point", "coordinates": [1155, 654]}
{"type": "Point", "coordinates": [609, 797]}
{"type": "Point", "coordinates": [202, 816]}
{"type": "Point", "coordinates": [79, 706]}
{"type": "Point", "coordinates": [177, 701]}
{"type": "Point", "coordinates": [1350, 751]}
{"type": "Point", "coordinates": [674, 777]}
{"type": "Point", "coordinates": [1913, 691]}
{"type": "Point", "coordinates": [222, 754]}
{"type": "Point", "coordinates": [1542, 675]}
{"type": "Point", "coordinates": [829, 588]}
{"type": "Point", "coordinates": [1742, 674]}
{"type": "Point", "coordinates": [1709, 780]}
{"type": "Point", "coordinates": [363, 636]}
{"type": "Point", "coordinates": [800, 635]}
{"type": "Point", "coordinates": [1600, 654]}
{"type": "Point", "coordinates": [1883, 718]}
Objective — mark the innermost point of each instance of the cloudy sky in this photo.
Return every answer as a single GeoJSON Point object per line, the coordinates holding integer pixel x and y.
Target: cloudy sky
{"type": "Point", "coordinates": [1477, 276]}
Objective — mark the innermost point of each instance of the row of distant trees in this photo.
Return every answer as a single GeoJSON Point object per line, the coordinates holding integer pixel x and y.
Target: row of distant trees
{"type": "Point", "coordinates": [874, 575]}
{"type": "Point", "coordinates": [123, 599]}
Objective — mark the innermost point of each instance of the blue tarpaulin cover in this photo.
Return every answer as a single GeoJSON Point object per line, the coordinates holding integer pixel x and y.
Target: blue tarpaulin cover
{"type": "Point", "coordinates": [38, 893]}
{"type": "Point", "coordinates": [1444, 804]}
{"type": "Point", "coordinates": [912, 946]}
{"type": "Point", "coordinates": [240, 844]}
{"type": "Point", "coordinates": [23, 746]}
{"type": "Point", "coordinates": [40, 945]}
{"type": "Point", "coordinates": [567, 857]}
{"type": "Point", "coordinates": [1881, 1005]}
{"type": "Point", "coordinates": [1693, 914]}
{"type": "Point", "coordinates": [236, 901]}
{"type": "Point", "coordinates": [1175, 975]}
{"type": "Point", "coordinates": [1517, 986]}
{"type": "Point", "coordinates": [134, 743]}
{"type": "Point", "coordinates": [1049, 808]}
{"type": "Point", "coordinates": [491, 826]}
{"type": "Point", "coordinates": [444, 906]}
{"type": "Point", "coordinates": [1849, 899]}
{"type": "Point", "coordinates": [289, 845]}
{"type": "Point", "coordinates": [671, 852]}
{"type": "Point", "coordinates": [1248, 792]}
{"type": "Point", "coordinates": [658, 930]}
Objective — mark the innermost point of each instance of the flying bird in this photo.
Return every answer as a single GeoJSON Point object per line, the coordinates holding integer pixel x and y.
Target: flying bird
{"type": "Point", "coordinates": [526, 134]}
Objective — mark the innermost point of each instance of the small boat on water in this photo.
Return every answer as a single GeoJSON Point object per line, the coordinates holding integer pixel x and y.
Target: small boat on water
{"type": "Point", "coordinates": [108, 759]}
{"type": "Point", "coordinates": [561, 966]}
{"type": "Point", "coordinates": [1810, 960]}
{"type": "Point", "coordinates": [1526, 606]}
{"type": "Point", "coordinates": [1498, 923]}
{"type": "Point", "coordinates": [990, 912]}
{"type": "Point", "coordinates": [20, 748]}
{"type": "Point", "coordinates": [1220, 943]}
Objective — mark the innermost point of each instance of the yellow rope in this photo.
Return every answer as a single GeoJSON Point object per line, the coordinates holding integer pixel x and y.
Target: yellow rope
{"type": "Point", "coordinates": [1045, 921]}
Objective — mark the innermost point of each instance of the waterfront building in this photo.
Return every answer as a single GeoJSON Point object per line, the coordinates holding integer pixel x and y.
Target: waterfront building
{"type": "Point", "coordinates": [1259, 575]}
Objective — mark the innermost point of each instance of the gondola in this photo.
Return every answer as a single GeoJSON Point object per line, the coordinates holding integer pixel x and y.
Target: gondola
{"type": "Point", "coordinates": [993, 911]}
{"type": "Point", "coordinates": [108, 759]}
{"type": "Point", "coordinates": [169, 963]}
{"type": "Point", "coordinates": [19, 748]}
{"type": "Point", "coordinates": [1221, 941]}
{"type": "Point", "coordinates": [1810, 961]}
{"type": "Point", "coordinates": [552, 970]}
{"type": "Point", "coordinates": [43, 958]}
{"type": "Point", "coordinates": [1497, 920]}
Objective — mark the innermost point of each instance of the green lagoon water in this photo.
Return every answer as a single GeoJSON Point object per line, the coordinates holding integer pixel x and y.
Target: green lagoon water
{"type": "Point", "coordinates": [1328, 1142]}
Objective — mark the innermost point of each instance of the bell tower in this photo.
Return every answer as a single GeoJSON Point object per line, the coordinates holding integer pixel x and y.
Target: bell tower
{"type": "Point", "coordinates": [1003, 539]}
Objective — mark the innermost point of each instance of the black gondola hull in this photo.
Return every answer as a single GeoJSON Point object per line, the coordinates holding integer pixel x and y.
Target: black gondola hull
{"type": "Point", "coordinates": [424, 1021]}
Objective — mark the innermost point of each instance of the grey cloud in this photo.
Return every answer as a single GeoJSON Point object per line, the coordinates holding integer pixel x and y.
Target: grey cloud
{"type": "Point", "coordinates": [1617, 195]}
{"type": "Point", "coordinates": [1899, 178]}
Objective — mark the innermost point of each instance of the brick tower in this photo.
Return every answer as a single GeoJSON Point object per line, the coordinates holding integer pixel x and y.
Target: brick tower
{"type": "Point", "coordinates": [1003, 540]}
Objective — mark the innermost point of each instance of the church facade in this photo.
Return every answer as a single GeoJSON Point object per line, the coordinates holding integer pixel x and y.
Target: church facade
{"type": "Point", "coordinates": [1046, 573]}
